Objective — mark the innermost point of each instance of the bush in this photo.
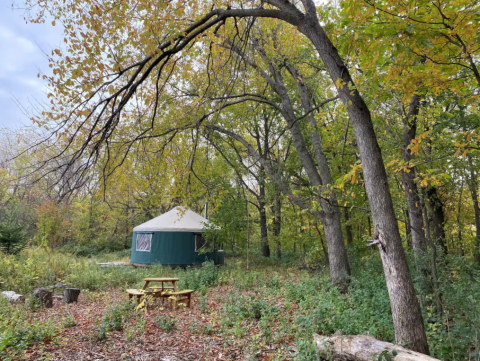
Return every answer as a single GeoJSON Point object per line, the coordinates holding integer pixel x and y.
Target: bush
{"type": "Point", "coordinates": [166, 322]}
{"type": "Point", "coordinates": [196, 279]}
{"type": "Point", "coordinates": [114, 319]}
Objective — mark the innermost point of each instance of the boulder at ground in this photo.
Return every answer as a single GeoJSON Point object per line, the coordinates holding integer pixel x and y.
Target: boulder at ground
{"type": "Point", "coordinates": [363, 348]}
{"type": "Point", "coordinates": [12, 296]}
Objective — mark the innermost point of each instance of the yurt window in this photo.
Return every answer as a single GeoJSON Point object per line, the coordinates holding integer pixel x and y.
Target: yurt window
{"type": "Point", "coordinates": [144, 242]}
{"type": "Point", "coordinates": [200, 242]}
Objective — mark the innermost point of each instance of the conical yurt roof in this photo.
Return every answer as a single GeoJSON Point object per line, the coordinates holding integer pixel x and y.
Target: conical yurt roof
{"type": "Point", "coordinates": [176, 220]}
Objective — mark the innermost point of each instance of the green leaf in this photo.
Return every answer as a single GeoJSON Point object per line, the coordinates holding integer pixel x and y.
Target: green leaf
{"type": "Point", "coordinates": [410, 29]}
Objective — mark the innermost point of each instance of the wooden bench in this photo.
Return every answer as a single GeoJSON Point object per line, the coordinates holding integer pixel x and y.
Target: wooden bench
{"type": "Point", "coordinates": [185, 295]}
{"type": "Point", "coordinates": [138, 293]}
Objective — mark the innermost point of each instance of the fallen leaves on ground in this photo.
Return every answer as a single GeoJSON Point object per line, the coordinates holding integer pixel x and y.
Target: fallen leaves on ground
{"type": "Point", "coordinates": [187, 341]}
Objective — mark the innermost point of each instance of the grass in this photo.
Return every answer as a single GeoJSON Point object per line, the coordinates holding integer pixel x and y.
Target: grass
{"type": "Point", "coordinates": [273, 303]}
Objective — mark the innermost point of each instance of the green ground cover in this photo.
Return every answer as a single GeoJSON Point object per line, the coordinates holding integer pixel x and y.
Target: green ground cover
{"type": "Point", "coordinates": [283, 303]}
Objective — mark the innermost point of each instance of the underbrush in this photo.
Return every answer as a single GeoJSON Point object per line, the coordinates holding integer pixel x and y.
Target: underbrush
{"type": "Point", "coordinates": [42, 267]}
{"type": "Point", "coordinates": [270, 303]}
{"type": "Point", "coordinates": [17, 331]}
{"type": "Point", "coordinates": [114, 319]}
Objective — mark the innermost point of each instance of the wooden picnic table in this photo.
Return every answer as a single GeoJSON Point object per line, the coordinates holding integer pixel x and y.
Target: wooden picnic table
{"type": "Point", "coordinates": [157, 291]}
{"type": "Point", "coordinates": [164, 291]}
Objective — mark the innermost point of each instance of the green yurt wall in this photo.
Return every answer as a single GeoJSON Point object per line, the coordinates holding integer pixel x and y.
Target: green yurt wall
{"type": "Point", "coordinates": [174, 238]}
{"type": "Point", "coordinates": [170, 248]}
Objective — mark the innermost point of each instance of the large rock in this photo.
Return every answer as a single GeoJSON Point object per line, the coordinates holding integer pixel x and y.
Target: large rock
{"type": "Point", "coordinates": [12, 296]}
{"type": "Point", "coordinates": [363, 348]}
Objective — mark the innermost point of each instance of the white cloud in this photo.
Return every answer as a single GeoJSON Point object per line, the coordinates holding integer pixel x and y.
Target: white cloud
{"type": "Point", "coordinates": [21, 58]}
{"type": "Point", "coordinates": [17, 52]}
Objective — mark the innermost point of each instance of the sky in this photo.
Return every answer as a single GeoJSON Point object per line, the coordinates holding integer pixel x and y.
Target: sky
{"type": "Point", "coordinates": [21, 57]}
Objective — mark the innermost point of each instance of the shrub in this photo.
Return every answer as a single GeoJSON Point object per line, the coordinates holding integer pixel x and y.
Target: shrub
{"type": "Point", "coordinates": [114, 319]}
{"type": "Point", "coordinates": [196, 279]}
{"type": "Point", "coordinates": [166, 322]}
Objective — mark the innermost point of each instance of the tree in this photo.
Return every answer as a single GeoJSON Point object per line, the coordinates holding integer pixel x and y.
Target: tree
{"type": "Point", "coordinates": [272, 65]}
{"type": "Point", "coordinates": [90, 122]}
{"type": "Point", "coordinates": [12, 238]}
{"type": "Point", "coordinates": [260, 133]}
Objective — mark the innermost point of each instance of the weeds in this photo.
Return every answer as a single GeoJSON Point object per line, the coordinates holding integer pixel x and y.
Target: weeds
{"type": "Point", "coordinates": [17, 332]}
{"type": "Point", "coordinates": [269, 304]}
{"type": "Point", "coordinates": [166, 322]}
{"type": "Point", "coordinates": [114, 319]}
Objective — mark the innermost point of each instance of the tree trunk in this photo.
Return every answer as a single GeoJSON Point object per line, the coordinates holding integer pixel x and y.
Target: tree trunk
{"type": "Point", "coordinates": [263, 223]}
{"type": "Point", "coordinates": [325, 252]}
{"type": "Point", "coordinates": [459, 224]}
{"type": "Point", "coordinates": [408, 229]}
{"type": "Point", "coordinates": [45, 296]}
{"type": "Point", "coordinates": [337, 254]}
{"type": "Point", "coordinates": [363, 348]}
{"type": "Point", "coordinates": [71, 295]}
{"type": "Point", "coordinates": [277, 223]}
{"type": "Point", "coordinates": [406, 313]}
{"type": "Point", "coordinates": [408, 176]}
{"type": "Point", "coordinates": [348, 227]}
{"type": "Point", "coordinates": [330, 213]}
{"type": "Point", "coordinates": [473, 191]}
{"type": "Point", "coordinates": [433, 256]}
{"type": "Point", "coordinates": [438, 217]}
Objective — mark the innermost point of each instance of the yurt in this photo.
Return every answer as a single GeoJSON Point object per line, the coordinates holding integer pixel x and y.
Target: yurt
{"type": "Point", "coordinates": [174, 238]}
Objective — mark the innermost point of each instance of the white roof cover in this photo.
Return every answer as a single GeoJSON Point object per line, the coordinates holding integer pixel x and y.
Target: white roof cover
{"type": "Point", "coordinates": [176, 220]}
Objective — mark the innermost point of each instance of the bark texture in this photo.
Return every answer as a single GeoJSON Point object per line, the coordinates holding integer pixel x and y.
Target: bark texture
{"type": "Point", "coordinates": [71, 295]}
{"type": "Point", "coordinates": [277, 221]}
{"type": "Point", "coordinates": [438, 217]}
{"type": "Point", "coordinates": [263, 225]}
{"type": "Point", "coordinates": [363, 348]}
{"type": "Point", "coordinates": [415, 216]}
{"type": "Point", "coordinates": [433, 256]}
{"type": "Point", "coordinates": [45, 296]}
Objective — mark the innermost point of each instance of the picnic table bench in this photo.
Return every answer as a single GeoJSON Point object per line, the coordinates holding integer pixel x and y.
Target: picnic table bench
{"type": "Point", "coordinates": [135, 293]}
{"type": "Point", "coordinates": [185, 295]}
